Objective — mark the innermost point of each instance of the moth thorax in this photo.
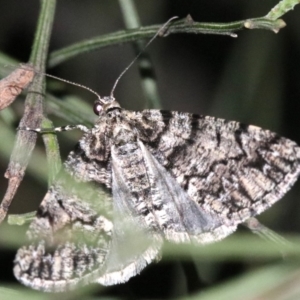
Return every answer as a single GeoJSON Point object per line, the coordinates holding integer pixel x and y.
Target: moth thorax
{"type": "Point", "coordinates": [124, 136]}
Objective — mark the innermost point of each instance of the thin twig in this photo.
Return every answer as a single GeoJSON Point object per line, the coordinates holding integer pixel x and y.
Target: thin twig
{"type": "Point", "coordinates": [33, 113]}
{"type": "Point", "coordinates": [282, 8]}
{"type": "Point", "coordinates": [21, 219]}
{"type": "Point", "coordinates": [52, 153]}
{"type": "Point", "coordinates": [148, 80]}
{"type": "Point", "coordinates": [181, 26]}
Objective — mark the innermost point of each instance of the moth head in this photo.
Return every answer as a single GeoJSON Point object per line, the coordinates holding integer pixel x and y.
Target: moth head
{"type": "Point", "coordinates": [105, 104]}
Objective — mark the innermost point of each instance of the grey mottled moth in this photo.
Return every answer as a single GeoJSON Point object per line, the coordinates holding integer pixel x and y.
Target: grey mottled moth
{"type": "Point", "coordinates": [165, 175]}
{"type": "Point", "coordinates": [138, 178]}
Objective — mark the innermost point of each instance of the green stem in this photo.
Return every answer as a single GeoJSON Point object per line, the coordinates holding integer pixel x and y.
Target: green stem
{"type": "Point", "coordinates": [181, 26]}
{"type": "Point", "coordinates": [7, 64]}
{"type": "Point", "coordinates": [149, 85]}
{"type": "Point", "coordinates": [281, 8]}
{"type": "Point", "coordinates": [52, 151]}
{"type": "Point", "coordinates": [33, 113]}
{"type": "Point", "coordinates": [21, 219]}
{"type": "Point", "coordinates": [72, 109]}
{"type": "Point", "coordinates": [130, 14]}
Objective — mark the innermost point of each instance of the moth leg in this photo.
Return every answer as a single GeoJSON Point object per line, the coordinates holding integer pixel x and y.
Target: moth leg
{"type": "Point", "coordinates": [21, 219]}
{"type": "Point", "coordinates": [266, 233]}
{"type": "Point", "coordinates": [56, 129]}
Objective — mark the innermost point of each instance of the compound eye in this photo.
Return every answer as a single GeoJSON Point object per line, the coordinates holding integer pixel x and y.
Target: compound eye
{"type": "Point", "coordinates": [97, 108]}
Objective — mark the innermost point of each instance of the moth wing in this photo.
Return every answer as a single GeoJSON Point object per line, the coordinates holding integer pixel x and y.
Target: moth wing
{"type": "Point", "coordinates": [134, 246]}
{"type": "Point", "coordinates": [197, 225]}
{"type": "Point", "coordinates": [70, 239]}
{"type": "Point", "coordinates": [230, 169]}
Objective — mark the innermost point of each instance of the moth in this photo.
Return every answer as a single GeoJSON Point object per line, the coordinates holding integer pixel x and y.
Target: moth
{"type": "Point", "coordinates": [138, 178]}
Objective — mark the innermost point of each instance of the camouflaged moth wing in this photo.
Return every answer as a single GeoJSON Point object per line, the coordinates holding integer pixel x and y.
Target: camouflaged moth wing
{"type": "Point", "coordinates": [155, 175]}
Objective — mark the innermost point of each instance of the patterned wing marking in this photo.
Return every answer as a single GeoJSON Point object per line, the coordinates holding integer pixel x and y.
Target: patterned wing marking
{"type": "Point", "coordinates": [228, 168]}
{"type": "Point", "coordinates": [152, 197]}
{"type": "Point", "coordinates": [230, 171]}
{"type": "Point", "coordinates": [198, 225]}
{"type": "Point", "coordinates": [134, 245]}
{"type": "Point", "coordinates": [69, 242]}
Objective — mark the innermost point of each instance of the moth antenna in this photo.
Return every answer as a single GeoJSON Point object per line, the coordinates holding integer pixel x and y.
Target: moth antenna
{"type": "Point", "coordinates": [31, 68]}
{"type": "Point", "coordinates": [139, 54]}
{"type": "Point", "coordinates": [71, 82]}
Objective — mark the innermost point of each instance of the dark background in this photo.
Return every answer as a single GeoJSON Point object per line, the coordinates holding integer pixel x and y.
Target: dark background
{"type": "Point", "coordinates": [253, 78]}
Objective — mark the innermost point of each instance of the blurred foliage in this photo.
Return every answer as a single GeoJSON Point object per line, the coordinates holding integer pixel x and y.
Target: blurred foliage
{"type": "Point", "coordinates": [253, 78]}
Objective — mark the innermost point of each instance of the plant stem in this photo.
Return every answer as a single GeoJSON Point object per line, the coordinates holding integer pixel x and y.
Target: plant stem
{"type": "Point", "coordinates": [281, 8]}
{"type": "Point", "coordinates": [33, 113]}
{"type": "Point", "coordinates": [132, 35]}
{"type": "Point", "coordinates": [149, 85]}
{"type": "Point", "coordinates": [52, 151]}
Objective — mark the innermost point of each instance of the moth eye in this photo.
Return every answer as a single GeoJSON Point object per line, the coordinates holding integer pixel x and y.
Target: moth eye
{"type": "Point", "coordinates": [97, 108]}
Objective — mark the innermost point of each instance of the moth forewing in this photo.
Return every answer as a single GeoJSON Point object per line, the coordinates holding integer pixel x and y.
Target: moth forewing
{"type": "Point", "coordinates": [134, 245]}
{"type": "Point", "coordinates": [186, 221]}
{"type": "Point", "coordinates": [229, 169]}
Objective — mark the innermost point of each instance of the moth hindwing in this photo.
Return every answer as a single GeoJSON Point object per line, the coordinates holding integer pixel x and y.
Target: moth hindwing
{"type": "Point", "coordinates": [137, 178]}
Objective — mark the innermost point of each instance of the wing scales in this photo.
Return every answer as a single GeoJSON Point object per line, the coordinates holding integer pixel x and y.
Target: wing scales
{"type": "Point", "coordinates": [226, 167]}
{"type": "Point", "coordinates": [172, 175]}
